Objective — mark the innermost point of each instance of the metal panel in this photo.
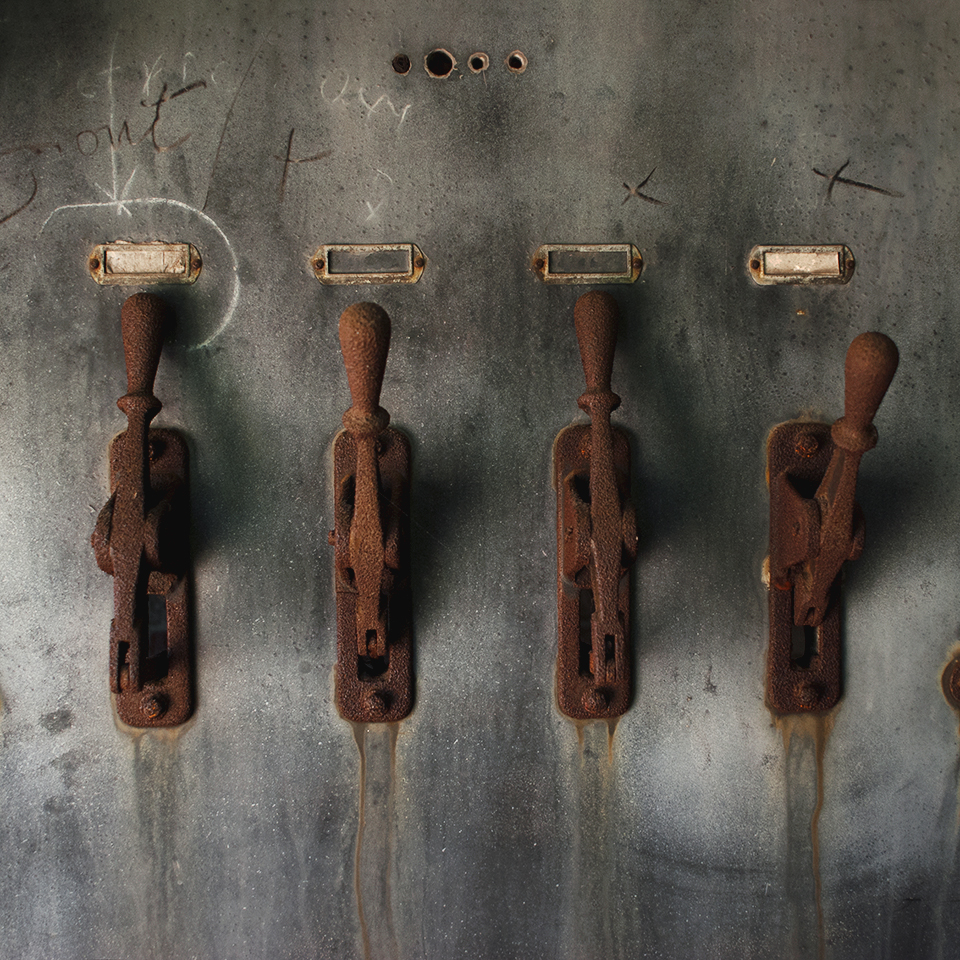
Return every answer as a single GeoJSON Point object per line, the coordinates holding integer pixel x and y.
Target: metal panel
{"type": "Point", "coordinates": [486, 824]}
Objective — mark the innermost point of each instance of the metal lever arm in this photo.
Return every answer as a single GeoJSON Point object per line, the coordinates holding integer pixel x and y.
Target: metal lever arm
{"type": "Point", "coordinates": [143, 318]}
{"type": "Point", "coordinates": [365, 340]}
{"type": "Point", "coordinates": [596, 317]}
{"type": "Point", "coordinates": [870, 365]}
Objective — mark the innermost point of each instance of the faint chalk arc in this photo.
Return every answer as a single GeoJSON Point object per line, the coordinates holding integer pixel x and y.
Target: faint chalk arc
{"type": "Point", "coordinates": [153, 201]}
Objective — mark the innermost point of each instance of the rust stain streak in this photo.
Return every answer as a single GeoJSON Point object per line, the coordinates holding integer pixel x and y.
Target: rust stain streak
{"type": "Point", "coordinates": [816, 728]}
{"type": "Point", "coordinates": [359, 733]}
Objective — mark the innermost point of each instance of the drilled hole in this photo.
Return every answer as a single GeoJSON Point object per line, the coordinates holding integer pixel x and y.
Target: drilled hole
{"type": "Point", "coordinates": [479, 62]}
{"type": "Point", "coordinates": [401, 64]}
{"type": "Point", "coordinates": [516, 62]}
{"type": "Point", "coordinates": [754, 264]}
{"type": "Point", "coordinates": [439, 63]}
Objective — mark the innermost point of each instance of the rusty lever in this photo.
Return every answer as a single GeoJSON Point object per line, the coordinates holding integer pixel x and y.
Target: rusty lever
{"type": "Point", "coordinates": [596, 530]}
{"type": "Point", "coordinates": [371, 476]}
{"type": "Point", "coordinates": [140, 538]}
{"type": "Point", "coordinates": [815, 527]}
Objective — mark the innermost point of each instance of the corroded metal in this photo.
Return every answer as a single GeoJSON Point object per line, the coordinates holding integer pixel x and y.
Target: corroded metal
{"type": "Point", "coordinates": [815, 527]}
{"type": "Point", "coordinates": [547, 272]}
{"type": "Point", "coordinates": [140, 539]}
{"type": "Point", "coordinates": [372, 489]}
{"type": "Point", "coordinates": [596, 533]}
{"type": "Point", "coordinates": [411, 272]}
{"type": "Point", "coordinates": [135, 264]}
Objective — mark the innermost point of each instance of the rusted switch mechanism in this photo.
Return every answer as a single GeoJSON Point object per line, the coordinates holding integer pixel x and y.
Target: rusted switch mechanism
{"type": "Point", "coordinates": [815, 526]}
{"type": "Point", "coordinates": [596, 532]}
{"type": "Point", "coordinates": [371, 535]}
{"type": "Point", "coordinates": [141, 539]}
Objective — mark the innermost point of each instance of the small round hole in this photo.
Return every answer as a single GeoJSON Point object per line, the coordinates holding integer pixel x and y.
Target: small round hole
{"type": "Point", "coordinates": [439, 63]}
{"type": "Point", "coordinates": [401, 64]}
{"type": "Point", "coordinates": [478, 62]}
{"type": "Point", "coordinates": [754, 264]}
{"type": "Point", "coordinates": [516, 62]}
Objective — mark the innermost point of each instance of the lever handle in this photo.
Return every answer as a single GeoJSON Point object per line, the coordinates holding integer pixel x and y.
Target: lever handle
{"type": "Point", "coordinates": [143, 319]}
{"type": "Point", "coordinates": [365, 341]}
{"type": "Point", "coordinates": [596, 317]}
{"type": "Point", "coordinates": [871, 362]}
{"type": "Point", "coordinates": [371, 459]}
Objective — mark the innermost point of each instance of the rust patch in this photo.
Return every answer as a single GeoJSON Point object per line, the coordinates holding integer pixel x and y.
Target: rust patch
{"type": "Point", "coordinates": [141, 539]}
{"type": "Point", "coordinates": [374, 681]}
{"type": "Point", "coordinates": [596, 533]}
{"type": "Point", "coordinates": [815, 527]}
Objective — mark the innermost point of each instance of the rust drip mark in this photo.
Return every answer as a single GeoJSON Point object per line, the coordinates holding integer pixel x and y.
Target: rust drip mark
{"type": "Point", "coordinates": [289, 159]}
{"type": "Point", "coordinates": [582, 725]}
{"type": "Point", "coordinates": [817, 728]}
{"type": "Point", "coordinates": [23, 206]}
{"type": "Point", "coordinates": [635, 191]}
{"type": "Point", "coordinates": [376, 830]}
{"type": "Point", "coordinates": [359, 734]}
{"type": "Point", "coordinates": [836, 178]}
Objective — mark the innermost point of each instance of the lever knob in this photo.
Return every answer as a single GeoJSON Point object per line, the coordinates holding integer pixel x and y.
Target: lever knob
{"type": "Point", "coordinates": [596, 317]}
{"type": "Point", "coordinates": [870, 365]}
{"type": "Point", "coordinates": [143, 318]}
{"type": "Point", "coordinates": [364, 341]}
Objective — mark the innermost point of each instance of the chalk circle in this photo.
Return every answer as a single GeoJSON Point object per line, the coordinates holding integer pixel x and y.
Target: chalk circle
{"type": "Point", "coordinates": [202, 310]}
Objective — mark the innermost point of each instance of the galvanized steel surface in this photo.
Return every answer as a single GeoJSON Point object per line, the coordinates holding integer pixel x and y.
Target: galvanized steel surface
{"type": "Point", "coordinates": [485, 824]}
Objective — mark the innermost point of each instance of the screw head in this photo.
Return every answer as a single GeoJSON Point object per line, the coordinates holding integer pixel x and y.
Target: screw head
{"type": "Point", "coordinates": [154, 706]}
{"type": "Point", "coordinates": [419, 263]}
{"type": "Point", "coordinates": [539, 263]}
{"type": "Point", "coordinates": [808, 694]}
{"type": "Point", "coordinates": [374, 705]}
{"type": "Point", "coordinates": [807, 445]}
{"type": "Point", "coordinates": [595, 701]}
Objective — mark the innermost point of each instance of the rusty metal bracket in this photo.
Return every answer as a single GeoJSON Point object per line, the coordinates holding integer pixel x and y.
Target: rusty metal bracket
{"type": "Point", "coordinates": [374, 677]}
{"type": "Point", "coordinates": [141, 540]}
{"type": "Point", "coordinates": [596, 533]}
{"type": "Point", "coordinates": [815, 526]}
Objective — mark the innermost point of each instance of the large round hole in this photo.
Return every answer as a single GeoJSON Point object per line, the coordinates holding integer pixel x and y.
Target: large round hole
{"type": "Point", "coordinates": [478, 62]}
{"type": "Point", "coordinates": [401, 64]}
{"type": "Point", "coordinates": [439, 63]}
{"type": "Point", "coordinates": [516, 62]}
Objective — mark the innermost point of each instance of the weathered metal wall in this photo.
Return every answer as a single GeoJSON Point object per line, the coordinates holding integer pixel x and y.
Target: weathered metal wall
{"type": "Point", "coordinates": [486, 824]}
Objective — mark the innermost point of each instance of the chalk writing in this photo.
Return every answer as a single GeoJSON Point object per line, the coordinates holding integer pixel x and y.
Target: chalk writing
{"type": "Point", "coordinates": [350, 93]}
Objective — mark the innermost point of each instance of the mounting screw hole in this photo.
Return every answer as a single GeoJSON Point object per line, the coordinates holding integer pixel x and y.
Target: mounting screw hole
{"type": "Point", "coordinates": [439, 63]}
{"type": "Point", "coordinates": [516, 62]}
{"type": "Point", "coordinates": [754, 264]}
{"type": "Point", "coordinates": [401, 64]}
{"type": "Point", "coordinates": [478, 62]}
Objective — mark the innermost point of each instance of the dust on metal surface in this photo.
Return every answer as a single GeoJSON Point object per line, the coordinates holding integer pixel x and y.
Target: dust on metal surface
{"type": "Point", "coordinates": [131, 264]}
{"type": "Point", "coordinates": [140, 539]}
{"type": "Point", "coordinates": [410, 272]}
{"type": "Point", "coordinates": [804, 265]}
{"type": "Point", "coordinates": [374, 680]}
{"type": "Point", "coordinates": [628, 273]}
{"type": "Point", "coordinates": [596, 533]}
{"type": "Point", "coordinates": [815, 527]}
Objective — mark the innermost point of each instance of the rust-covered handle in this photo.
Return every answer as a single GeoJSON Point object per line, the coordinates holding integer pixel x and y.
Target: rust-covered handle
{"type": "Point", "coordinates": [870, 365]}
{"type": "Point", "coordinates": [143, 319]}
{"type": "Point", "coordinates": [596, 316]}
{"type": "Point", "coordinates": [365, 340]}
